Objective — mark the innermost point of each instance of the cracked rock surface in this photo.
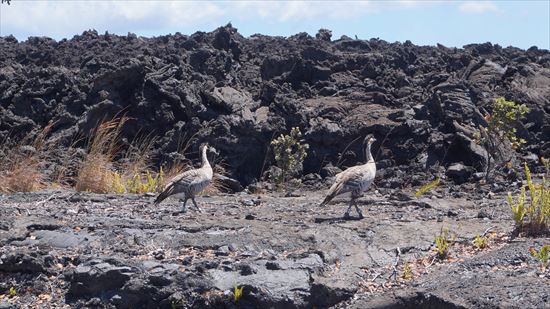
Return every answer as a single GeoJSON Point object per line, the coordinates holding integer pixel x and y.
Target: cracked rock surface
{"type": "Point", "coordinates": [120, 251]}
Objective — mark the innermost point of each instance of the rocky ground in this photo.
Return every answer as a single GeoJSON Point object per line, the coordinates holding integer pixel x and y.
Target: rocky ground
{"type": "Point", "coordinates": [66, 249]}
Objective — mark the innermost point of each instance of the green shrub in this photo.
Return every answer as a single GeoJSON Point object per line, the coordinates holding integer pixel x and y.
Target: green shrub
{"type": "Point", "coordinates": [501, 127]}
{"type": "Point", "coordinates": [289, 154]}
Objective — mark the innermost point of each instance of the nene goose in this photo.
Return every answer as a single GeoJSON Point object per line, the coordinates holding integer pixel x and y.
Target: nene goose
{"type": "Point", "coordinates": [190, 183]}
{"type": "Point", "coordinates": [354, 180]}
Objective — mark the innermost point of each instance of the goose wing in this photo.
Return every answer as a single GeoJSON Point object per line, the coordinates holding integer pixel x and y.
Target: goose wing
{"type": "Point", "coordinates": [181, 183]}
{"type": "Point", "coordinates": [354, 178]}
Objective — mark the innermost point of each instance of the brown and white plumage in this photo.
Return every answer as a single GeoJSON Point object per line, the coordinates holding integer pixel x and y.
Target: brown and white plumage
{"type": "Point", "coordinates": [189, 183]}
{"type": "Point", "coordinates": [354, 180]}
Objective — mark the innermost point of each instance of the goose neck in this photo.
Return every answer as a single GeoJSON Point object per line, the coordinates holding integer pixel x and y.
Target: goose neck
{"type": "Point", "coordinates": [368, 154]}
{"type": "Point", "coordinates": [204, 157]}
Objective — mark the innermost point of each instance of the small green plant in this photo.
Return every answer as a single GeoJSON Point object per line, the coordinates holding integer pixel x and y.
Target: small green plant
{"type": "Point", "coordinates": [427, 187]}
{"type": "Point", "coordinates": [12, 292]}
{"type": "Point", "coordinates": [118, 186]}
{"type": "Point", "coordinates": [518, 207]}
{"type": "Point", "coordinates": [407, 271]}
{"type": "Point", "coordinates": [480, 242]}
{"type": "Point", "coordinates": [289, 154]}
{"type": "Point", "coordinates": [546, 163]}
{"type": "Point", "coordinates": [541, 255]}
{"type": "Point", "coordinates": [237, 293]}
{"type": "Point", "coordinates": [533, 217]}
{"type": "Point", "coordinates": [137, 183]}
{"type": "Point", "coordinates": [443, 242]}
{"type": "Point", "coordinates": [501, 127]}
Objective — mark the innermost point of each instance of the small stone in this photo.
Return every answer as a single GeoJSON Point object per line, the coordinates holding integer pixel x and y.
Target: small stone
{"type": "Point", "coordinates": [222, 251]}
{"type": "Point", "coordinates": [272, 265]}
{"type": "Point", "coordinates": [116, 299]}
{"type": "Point", "coordinates": [247, 202]}
{"type": "Point", "coordinates": [452, 213]}
{"type": "Point", "coordinates": [246, 269]}
{"type": "Point", "coordinates": [459, 172]}
{"type": "Point", "coordinates": [482, 214]}
{"type": "Point", "coordinates": [94, 302]}
{"type": "Point", "coordinates": [250, 217]}
{"type": "Point", "coordinates": [158, 254]}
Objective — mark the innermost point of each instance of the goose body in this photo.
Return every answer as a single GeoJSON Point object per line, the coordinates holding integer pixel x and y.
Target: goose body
{"type": "Point", "coordinates": [354, 181]}
{"type": "Point", "coordinates": [189, 183]}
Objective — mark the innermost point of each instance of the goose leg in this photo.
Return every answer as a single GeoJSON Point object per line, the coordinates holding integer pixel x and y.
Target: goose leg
{"type": "Point", "coordinates": [183, 209]}
{"type": "Point", "coordinates": [196, 206]}
{"type": "Point", "coordinates": [358, 210]}
{"type": "Point", "coordinates": [346, 215]}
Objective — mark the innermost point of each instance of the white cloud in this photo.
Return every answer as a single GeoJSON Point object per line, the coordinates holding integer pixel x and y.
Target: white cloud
{"type": "Point", "coordinates": [60, 19]}
{"type": "Point", "coordinates": [65, 18]}
{"type": "Point", "coordinates": [284, 11]}
{"type": "Point", "coordinates": [478, 7]}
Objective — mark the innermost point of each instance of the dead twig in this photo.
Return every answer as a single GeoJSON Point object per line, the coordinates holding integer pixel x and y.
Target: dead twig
{"type": "Point", "coordinates": [431, 263]}
{"type": "Point", "coordinates": [487, 231]}
{"type": "Point", "coordinates": [49, 198]}
{"type": "Point", "coordinates": [344, 151]}
{"type": "Point", "coordinates": [395, 263]}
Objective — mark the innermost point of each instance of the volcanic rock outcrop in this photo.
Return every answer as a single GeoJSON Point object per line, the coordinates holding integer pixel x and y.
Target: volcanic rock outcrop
{"type": "Point", "coordinates": [421, 102]}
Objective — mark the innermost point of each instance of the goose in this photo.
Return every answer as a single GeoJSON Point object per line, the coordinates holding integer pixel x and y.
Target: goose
{"type": "Point", "coordinates": [354, 180]}
{"type": "Point", "coordinates": [191, 182]}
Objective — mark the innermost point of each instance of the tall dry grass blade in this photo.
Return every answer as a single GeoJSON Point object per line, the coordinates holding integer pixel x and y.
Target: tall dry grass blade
{"type": "Point", "coordinates": [22, 169]}
{"type": "Point", "coordinates": [96, 172]}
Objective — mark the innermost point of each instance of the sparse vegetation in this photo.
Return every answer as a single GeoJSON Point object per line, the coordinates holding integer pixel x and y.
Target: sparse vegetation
{"type": "Point", "coordinates": [427, 187]}
{"type": "Point", "coordinates": [96, 172]}
{"type": "Point", "coordinates": [290, 153]}
{"type": "Point", "coordinates": [480, 242]}
{"type": "Point", "coordinates": [442, 243]}
{"type": "Point", "coordinates": [541, 255]}
{"type": "Point", "coordinates": [531, 218]}
{"type": "Point", "coordinates": [546, 163]}
{"type": "Point", "coordinates": [139, 184]}
{"type": "Point", "coordinates": [407, 271]}
{"type": "Point", "coordinates": [12, 292]}
{"type": "Point", "coordinates": [237, 293]}
{"type": "Point", "coordinates": [501, 128]}
{"type": "Point", "coordinates": [22, 165]}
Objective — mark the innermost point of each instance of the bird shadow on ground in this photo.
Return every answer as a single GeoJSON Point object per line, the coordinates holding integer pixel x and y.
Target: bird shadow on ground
{"type": "Point", "coordinates": [336, 220]}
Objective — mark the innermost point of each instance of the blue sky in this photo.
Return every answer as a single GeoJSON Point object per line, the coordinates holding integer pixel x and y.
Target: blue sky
{"type": "Point", "coordinates": [451, 23]}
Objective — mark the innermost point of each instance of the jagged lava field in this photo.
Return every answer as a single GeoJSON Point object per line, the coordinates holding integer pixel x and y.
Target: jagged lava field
{"type": "Point", "coordinates": [257, 244]}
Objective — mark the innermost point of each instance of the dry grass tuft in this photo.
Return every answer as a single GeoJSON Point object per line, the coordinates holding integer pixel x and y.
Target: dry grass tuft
{"type": "Point", "coordinates": [96, 172]}
{"type": "Point", "coordinates": [217, 186]}
{"type": "Point", "coordinates": [21, 169]}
